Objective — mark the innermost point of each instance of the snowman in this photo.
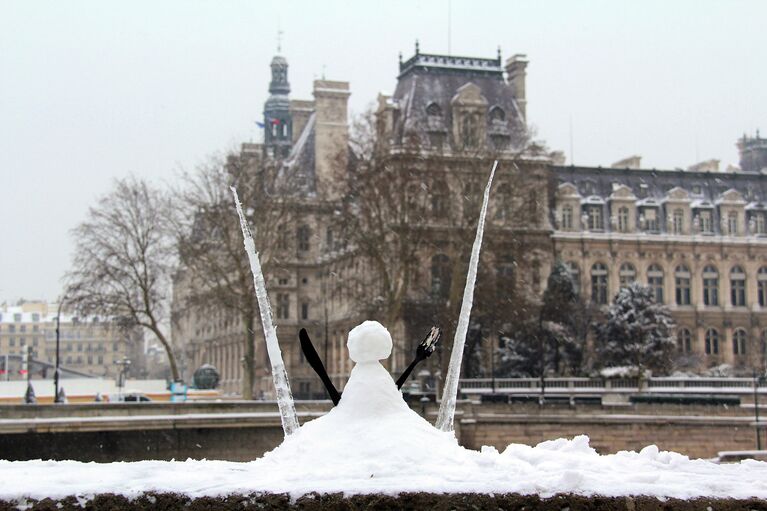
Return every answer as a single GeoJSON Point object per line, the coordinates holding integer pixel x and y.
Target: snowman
{"type": "Point", "coordinates": [369, 382]}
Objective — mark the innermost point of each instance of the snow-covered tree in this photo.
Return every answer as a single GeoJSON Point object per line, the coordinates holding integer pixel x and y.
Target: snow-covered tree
{"type": "Point", "coordinates": [638, 332]}
{"type": "Point", "coordinates": [547, 341]}
{"type": "Point", "coordinates": [562, 350]}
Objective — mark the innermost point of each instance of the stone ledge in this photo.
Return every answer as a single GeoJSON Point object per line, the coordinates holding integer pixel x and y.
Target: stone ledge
{"type": "Point", "coordinates": [414, 501]}
{"type": "Point", "coordinates": [145, 422]}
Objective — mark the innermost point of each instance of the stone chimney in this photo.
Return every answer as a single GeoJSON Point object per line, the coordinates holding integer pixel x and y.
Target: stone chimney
{"type": "Point", "coordinates": [300, 111]}
{"type": "Point", "coordinates": [515, 74]}
{"type": "Point", "coordinates": [705, 166]}
{"type": "Point", "coordinates": [632, 162]}
{"type": "Point", "coordinates": [331, 100]}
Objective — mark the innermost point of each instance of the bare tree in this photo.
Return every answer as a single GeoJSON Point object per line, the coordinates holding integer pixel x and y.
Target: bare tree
{"type": "Point", "coordinates": [123, 260]}
{"type": "Point", "coordinates": [214, 267]}
{"type": "Point", "coordinates": [406, 206]}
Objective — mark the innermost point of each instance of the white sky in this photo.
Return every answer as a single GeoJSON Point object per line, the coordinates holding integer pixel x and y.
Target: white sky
{"type": "Point", "coordinates": [94, 90]}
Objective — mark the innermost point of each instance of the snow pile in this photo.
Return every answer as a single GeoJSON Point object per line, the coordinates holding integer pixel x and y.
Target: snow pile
{"type": "Point", "coordinates": [372, 442]}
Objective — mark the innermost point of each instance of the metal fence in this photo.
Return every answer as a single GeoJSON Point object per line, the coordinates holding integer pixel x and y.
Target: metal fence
{"type": "Point", "coordinates": [571, 386]}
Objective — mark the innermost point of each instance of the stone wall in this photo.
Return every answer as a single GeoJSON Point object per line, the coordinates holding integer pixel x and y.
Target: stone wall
{"type": "Point", "coordinates": [241, 431]}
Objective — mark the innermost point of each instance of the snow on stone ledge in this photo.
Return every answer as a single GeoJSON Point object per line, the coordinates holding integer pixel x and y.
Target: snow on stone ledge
{"type": "Point", "coordinates": [553, 467]}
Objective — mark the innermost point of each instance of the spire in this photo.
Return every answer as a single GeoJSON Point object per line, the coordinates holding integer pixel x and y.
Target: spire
{"type": "Point", "coordinates": [279, 83]}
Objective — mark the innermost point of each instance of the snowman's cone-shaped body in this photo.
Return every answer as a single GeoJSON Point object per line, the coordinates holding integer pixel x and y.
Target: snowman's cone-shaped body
{"type": "Point", "coordinates": [370, 390]}
{"type": "Point", "coordinates": [372, 432]}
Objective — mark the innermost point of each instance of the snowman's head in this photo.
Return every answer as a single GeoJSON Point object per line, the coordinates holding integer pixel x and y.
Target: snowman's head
{"type": "Point", "coordinates": [369, 342]}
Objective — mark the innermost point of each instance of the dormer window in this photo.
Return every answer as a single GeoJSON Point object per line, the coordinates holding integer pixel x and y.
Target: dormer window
{"type": "Point", "coordinates": [623, 219]}
{"type": "Point", "coordinates": [732, 223]}
{"type": "Point", "coordinates": [595, 218]}
{"type": "Point", "coordinates": [497, 115]}
{"type": "Point", "coordinates": [433, 110]}
{"type": "Point", "coordinates": [469, 127]}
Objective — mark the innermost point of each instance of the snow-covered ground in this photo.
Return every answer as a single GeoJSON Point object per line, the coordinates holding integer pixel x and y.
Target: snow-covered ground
{"type": "Point", "coordinates": [372, 442]}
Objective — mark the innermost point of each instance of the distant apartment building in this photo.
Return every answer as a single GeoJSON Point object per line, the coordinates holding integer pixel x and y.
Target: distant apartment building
{"type": "Point", "coordinates": [88, 345]}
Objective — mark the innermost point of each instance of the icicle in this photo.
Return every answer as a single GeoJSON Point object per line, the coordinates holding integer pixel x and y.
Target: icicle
{"type": "Point", "coordinates": [450, 392]}
{"type": "Point", "coordinates": [279, 375]}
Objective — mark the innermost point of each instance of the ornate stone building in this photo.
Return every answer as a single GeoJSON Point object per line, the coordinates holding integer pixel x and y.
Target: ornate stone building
{"type": "Point", "coordinates": [697, 236]}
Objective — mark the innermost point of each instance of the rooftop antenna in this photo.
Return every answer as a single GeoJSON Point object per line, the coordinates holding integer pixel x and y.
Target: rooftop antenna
{"type": "Point", "coordinates": [572, 151]}
{"type": "Point", "coordinates": [323, 71]}
{"type": "Point", "coordinates": [279, 40]}
{"type": "Point", "coordinates": [449, 25]}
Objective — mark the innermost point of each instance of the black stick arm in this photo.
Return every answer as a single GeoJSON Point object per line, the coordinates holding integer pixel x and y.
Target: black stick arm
{"type": "Point", "coordinates": [404, 376]}
{"type": "Point", "coordinates": [314, 360]}
{"type": "Point", "coordinates": [424, 351]}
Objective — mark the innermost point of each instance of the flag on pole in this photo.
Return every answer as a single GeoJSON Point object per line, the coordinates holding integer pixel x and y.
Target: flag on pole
{"type": "Point", "coordinates": [260, 124]}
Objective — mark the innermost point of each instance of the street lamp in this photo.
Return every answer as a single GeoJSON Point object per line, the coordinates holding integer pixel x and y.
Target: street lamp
{"type": "Point", "coordinates": [124, 364]}
{"type": "Point", "coordinates": [758, 380]}
{"type": "Point", "coordinates": [58, 351]}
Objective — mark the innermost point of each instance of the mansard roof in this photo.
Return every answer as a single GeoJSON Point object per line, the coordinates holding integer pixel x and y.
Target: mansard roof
{"type": "Point", "coordinates": [436, 80]}
{"type": "Point", "coordinates": [663, 184]}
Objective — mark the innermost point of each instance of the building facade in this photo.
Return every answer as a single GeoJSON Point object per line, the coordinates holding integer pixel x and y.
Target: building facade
{"type": "Point", "coordinates": [89, 346]}
{"type": "Point", "coordinates": [698, 237]}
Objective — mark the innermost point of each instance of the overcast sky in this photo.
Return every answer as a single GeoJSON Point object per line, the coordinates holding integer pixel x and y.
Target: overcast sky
{"type": "Point", "coordinates": [90, 91]}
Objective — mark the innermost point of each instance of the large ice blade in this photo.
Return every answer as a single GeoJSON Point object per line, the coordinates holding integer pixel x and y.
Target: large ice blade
{"type": "Point", "coordinates": [279, 375]}
{"type": "Point", "coordinates": [450, 391]}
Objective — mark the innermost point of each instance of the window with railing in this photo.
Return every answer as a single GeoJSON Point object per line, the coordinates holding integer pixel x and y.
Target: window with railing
{"type": "Point", "coordinates": [710, 286]}
{"type": "Point", "coordinates": [682, 281]}
{"type": "Point", "coordinates": [737, 287]}
{"type": "Point", "coordinates": [627, 274]}
{"type": "Point", "coordinates": [712, 342]}
{"type": "Point", "coordinates": [684, 341]}
{"type": "Point", "coordinates": [655, 281]}
{"type": "Point", "coordinates": [761, 283]}
{"type": "Point", "coordinates": [739, 341]}
{"type": "Point", "coordinates": [599, 284]}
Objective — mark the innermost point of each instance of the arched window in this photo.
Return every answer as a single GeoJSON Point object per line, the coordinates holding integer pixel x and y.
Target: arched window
{"type": "Point", "coordinates": [627, 274]}
{"type": "Point", "coordinates": [567, 218]}
{"type": "Point", "coordinates": [677, 221]}
{"type": "Point", "coordinates": [599, 284]}
{"type": "Point", "coordinates": [737, 287]}
{"type": "Point", "coordinates": [433, 110]}
{"type": "Point", "coordinates": [575, 275]}
{"type": "Point", "coordinates": [440, 275]}
{"type": "Point", "coordinates": [684, 341]}
{"type": "Point", "coordinates": [623, 219]}
{"type": "Point", "coordinates": [710, 286]}
{"type": "Point", "coordinates": [497, 115]}
{"type": "Point", "coordinates": [739, 340]}
{"type": "Point", "coordinates": [712, 342]}
{"type": "Point", "coordinates": [761, 282]}
{"type": "Point", "coordinates": [655, 281]}
{"type": "Point", "coordinates": [439, 199]}
{"type": "Point", "coordinates": [503, 203]}
{"type": "Point", "coordinates": [682, 281]}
